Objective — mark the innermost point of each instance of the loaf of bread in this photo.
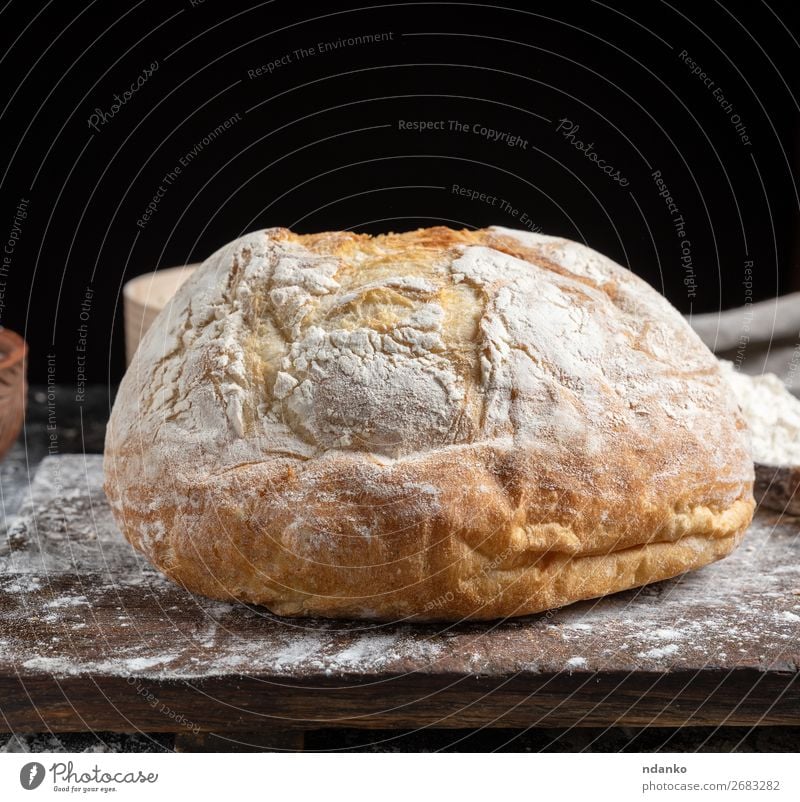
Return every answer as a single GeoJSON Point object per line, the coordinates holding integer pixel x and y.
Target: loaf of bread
{"type": "Point", "coordinates": [431, 425]}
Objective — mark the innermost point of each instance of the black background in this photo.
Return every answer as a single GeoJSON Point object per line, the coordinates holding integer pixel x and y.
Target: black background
{"type": "Point", "coordinates": [318, 144]}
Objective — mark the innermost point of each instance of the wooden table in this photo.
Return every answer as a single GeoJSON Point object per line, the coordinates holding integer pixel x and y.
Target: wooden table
{"type": "Point", "coordinates": [91, 637]}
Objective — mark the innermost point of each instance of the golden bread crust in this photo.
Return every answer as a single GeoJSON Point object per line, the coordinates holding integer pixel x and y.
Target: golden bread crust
{"type": "Point", "coordinates": [432, 425]}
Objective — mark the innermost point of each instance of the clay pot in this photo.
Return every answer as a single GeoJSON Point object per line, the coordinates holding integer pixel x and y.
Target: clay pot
{"type": "Point", "coordinates": [13, 387]}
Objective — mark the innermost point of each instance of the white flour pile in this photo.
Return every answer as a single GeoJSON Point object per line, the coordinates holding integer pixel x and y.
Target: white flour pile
{"type": "Point", "coordinates": [771, 412]}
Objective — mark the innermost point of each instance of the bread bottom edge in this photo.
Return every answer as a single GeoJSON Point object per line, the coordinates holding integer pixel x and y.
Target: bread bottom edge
{"type": "Point", "coordinates": [529, 592]}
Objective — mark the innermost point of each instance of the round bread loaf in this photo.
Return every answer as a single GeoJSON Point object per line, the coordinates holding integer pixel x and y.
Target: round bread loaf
{"type": "Point", "coordinates": [434, 425]}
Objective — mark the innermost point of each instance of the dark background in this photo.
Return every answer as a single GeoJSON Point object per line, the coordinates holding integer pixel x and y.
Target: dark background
{"type": "Point", "coordinates": [318, 144]}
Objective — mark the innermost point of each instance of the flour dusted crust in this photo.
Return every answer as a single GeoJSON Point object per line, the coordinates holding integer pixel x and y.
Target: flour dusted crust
{"type": "Point", "coordinates": [433, 425]}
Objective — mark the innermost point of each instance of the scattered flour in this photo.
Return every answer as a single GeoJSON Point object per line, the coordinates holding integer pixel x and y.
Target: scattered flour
{"type": "Point", "coordinates": [664, 651]}
{"type": "Point", "coordinates": [368, 647]}
{"type": "Point", "coordinates": [67, 601]}
{"type": "Point", "coordinates": [297, 649]}
{"type": "Point", "coordinates": [666, 634]}
{"type": "Point", "coordinates": [22, 584]}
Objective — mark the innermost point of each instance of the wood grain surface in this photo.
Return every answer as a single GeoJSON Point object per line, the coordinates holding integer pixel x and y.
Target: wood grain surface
{"type": "Point", "coordinates": [91, 637]}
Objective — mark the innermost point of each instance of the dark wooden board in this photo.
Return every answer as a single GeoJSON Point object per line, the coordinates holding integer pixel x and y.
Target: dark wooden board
{"type": "Point", "coordinates": [91, 637]}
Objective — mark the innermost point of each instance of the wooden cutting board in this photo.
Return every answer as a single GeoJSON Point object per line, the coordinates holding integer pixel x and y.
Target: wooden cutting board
{"type": "Point", "coordinates": [91, 637]}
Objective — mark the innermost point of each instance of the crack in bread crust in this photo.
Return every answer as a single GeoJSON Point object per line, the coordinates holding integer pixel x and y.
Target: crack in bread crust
{"type": "Point", "coordinates": [355, 426]}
